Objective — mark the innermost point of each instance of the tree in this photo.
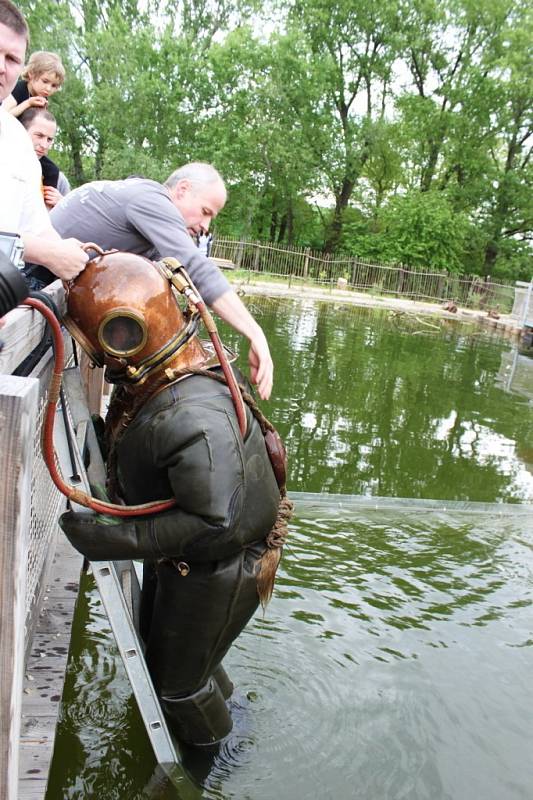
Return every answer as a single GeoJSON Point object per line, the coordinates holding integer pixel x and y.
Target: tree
{"type": "Point", "coordinates": [367, 104]}
{"type": "Point", "coordinates": [339, 87]}
{"type": "Point", "coordinates": [467, 129]}
{"type": "Point", "coordinates": [510, 209]}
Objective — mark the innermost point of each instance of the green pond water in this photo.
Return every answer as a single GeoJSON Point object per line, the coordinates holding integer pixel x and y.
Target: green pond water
{"type": "Point", "coordinates": [395, 658]}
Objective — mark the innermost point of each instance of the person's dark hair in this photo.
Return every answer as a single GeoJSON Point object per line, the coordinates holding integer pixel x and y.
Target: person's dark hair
{"type": "Point", "coordinates": [29, 116]}
{"type": "Point", "coordinates": [12, 18]}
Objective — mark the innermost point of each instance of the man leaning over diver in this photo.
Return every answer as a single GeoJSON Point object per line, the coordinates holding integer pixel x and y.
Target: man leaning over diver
{"type": "Point", "coordinates": [141, 216]}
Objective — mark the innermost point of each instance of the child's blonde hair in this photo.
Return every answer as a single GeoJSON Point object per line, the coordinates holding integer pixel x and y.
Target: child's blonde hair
{"type": "Point", "coordinates": [42, 61]}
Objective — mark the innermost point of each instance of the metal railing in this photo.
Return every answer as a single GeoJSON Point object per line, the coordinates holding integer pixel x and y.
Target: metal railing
{"type": "Point", "coordinates": [28, 519]}
{"type": "Point", "coordinates": [302, 265]}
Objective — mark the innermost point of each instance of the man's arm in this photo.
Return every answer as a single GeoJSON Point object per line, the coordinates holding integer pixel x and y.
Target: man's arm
{"type": "Point", "coordinates": [232, 310]}
{"type": "Point", "coordinates": [153, 215]}
{"type": "Point", "coordinates": [64, 257]}
{"type": "Point", "coordinates": [42, 244]}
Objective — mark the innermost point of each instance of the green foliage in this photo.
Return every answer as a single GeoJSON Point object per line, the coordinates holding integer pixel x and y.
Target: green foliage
{"type": "Point", "coordinates": [419, 229]}
{"type": "Point", "coordinates": [413, 117]}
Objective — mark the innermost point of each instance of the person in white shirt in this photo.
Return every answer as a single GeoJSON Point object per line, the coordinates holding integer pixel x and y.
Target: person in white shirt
{"type": "Point", "coordinates": [22, 209]}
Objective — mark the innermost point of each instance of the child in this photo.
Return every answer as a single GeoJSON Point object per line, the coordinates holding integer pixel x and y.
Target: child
{"type": "Point", "coordinates": [42, 77]}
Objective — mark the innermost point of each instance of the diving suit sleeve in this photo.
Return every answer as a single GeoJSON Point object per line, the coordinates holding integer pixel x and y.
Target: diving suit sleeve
{"type": "Point", "coordinates": [206, 472]}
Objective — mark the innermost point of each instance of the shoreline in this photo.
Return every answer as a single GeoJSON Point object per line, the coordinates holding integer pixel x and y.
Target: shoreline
{"type": "Point", "coordinates": [505, 323]}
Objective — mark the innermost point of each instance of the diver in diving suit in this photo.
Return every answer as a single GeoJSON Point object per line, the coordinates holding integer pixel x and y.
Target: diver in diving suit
{"type": "Point", "coordinates": [173, 434]}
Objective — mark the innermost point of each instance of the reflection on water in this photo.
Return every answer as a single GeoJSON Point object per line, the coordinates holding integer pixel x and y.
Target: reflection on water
{"type": "Point", "coordinates": [516, 374]}
{"type": "Point", "coordinates": [395, 658]}
{"type": "Point", "coordinates": [375, 404]}
{"type": "Point", "coordinates": [394, 661]}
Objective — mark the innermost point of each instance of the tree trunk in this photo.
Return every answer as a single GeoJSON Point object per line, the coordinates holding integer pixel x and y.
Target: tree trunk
{"type": "Point", "coordinates": [78, 174]}
{"type": "Point", "coordinates": [501, 210]}
{"type": "Point", "coordinates": [492, 249]}
{"type": "Point", "coordinates": [428, 173]}
{"type": "Point", "coordinates": [273, 225]}
{"type": "Point", "coordinates": [341, 203]}
{"type": "Point", "coordinates": [282, 228]}
{"type": "Point", "coordinates": [290, 225]}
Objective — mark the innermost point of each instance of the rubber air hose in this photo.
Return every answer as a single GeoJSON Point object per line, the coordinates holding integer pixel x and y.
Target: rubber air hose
{"type": "Point", "coordinates": [74, 494]}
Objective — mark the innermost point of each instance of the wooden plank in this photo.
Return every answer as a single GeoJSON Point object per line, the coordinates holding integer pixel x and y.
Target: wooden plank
{"type": "Point", "coordinates": [92, 379]}
{"type": "Point", "coordinates": [35, 762]}
{"type": "Point", "coordinates": [48, 653]}
{"type": "Point", "coordinates": [36, 728]}
{"type": "Point", "coordinates": [23, 330]}
{"type": "Point", "coordinates": [18, 412]}
{"type": "Point", "coordinates": [31, 789]}
{"type": "Point", "coordinates": [45, 672]}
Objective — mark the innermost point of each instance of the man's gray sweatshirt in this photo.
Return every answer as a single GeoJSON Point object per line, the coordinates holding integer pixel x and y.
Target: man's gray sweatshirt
{"type": "Point", "coordinates": [138, 216]}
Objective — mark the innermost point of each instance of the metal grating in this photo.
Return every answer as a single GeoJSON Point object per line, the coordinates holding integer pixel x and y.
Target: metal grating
{"type": "Point", "coordinates": [46, 504]}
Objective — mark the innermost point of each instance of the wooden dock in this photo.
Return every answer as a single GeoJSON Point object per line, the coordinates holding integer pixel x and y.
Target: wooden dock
{"type": "Point", "coordinates": [45, 671]}
{"type": "Point", "coordinates": [223, 263]}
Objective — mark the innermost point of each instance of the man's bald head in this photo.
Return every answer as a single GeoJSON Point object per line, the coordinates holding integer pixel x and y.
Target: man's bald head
{"type": "Point", "coordinates": [198, 192]}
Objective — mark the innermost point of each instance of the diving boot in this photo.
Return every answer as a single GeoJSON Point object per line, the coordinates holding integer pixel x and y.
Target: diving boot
{"type": "Point", "coordinates": [201, 718]}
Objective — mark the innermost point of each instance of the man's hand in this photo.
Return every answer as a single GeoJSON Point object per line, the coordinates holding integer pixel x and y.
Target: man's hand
{"type": "Point", "coordinates": [51, 196]}
{"type": "Point", "coordinates": [64, 257]}
{"type": "Point", "coordinates": [69, 259]}
{"type": "Point", "coordinates": [232, 310]}
{"type": "Point", "coordinates": [261, 366]}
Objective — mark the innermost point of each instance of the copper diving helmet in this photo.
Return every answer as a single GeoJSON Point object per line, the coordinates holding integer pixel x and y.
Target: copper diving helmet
{"type": "Point", "coordinates": [124, 311]}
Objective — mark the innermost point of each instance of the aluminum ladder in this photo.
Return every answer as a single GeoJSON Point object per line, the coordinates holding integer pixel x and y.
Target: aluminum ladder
{"type": "Point", "coordinates": [119, 582]}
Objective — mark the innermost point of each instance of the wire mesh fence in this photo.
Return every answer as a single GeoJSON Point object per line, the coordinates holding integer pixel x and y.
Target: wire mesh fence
{"type": "Point", "coordinates": [45, 502]}
{"type": "Point", "coordinates": [306, 266]}
{"type": "Point", "coordinates": [46, 505]}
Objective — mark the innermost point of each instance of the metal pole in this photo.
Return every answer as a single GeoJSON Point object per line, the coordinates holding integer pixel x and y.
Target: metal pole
{"type": "Point", "coordinates": [527, 301]}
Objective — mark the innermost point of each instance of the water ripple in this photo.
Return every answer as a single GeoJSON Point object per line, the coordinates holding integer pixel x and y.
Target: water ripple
{"type": "Point", "coordinates": [386, 656]}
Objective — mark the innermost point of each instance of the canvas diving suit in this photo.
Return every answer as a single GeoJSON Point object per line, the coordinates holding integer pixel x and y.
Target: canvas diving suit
{"type": "Point", "coordinates": [175, 439]}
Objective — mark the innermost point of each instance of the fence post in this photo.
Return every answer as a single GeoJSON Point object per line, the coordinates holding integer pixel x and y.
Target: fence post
{"type": "Point", "coordinates": [400, 279]}
{"type": "Point", "coordinates": [306, 262]}
{"type": "Point", "coordinates": [240, 250]}
{"type": "Point", "coordinates": [526, 314]}
{"type": "Point", "coordinates": [256, 257]}
{"type": "Point", "coordinates": [19, 398]}
{"type": "Point", "coordinates": [327, 268]}
{"type": "Point", "coordinates": [353, 270]}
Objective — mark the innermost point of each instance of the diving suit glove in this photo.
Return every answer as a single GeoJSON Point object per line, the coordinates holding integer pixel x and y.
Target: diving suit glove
{"type": "Point", "coordinates": [170, 534]}
{"type": "Point", "coordinates": [101, 538]}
